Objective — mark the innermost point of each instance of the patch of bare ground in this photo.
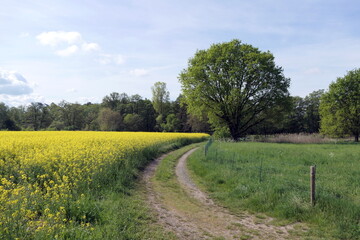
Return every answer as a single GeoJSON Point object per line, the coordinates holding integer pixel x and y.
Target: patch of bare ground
{"type": "Point", "coordinates": [189, 213]}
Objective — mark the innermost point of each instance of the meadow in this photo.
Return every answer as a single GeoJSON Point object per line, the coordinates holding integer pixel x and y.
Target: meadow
{"type": "Point", "coordinates": [273, 179]}
{"type": "Point", "coordinates": [77, 185]}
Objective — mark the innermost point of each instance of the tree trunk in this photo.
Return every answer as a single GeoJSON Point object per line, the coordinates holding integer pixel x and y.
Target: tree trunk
{"type": "Point", "coordinates": [356, 137]}
{"type": "Point", "coordinates": [234, 132]}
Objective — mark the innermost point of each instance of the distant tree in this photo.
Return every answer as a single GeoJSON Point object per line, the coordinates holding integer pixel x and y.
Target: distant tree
{"type": "Point", "coordinates": [145, 109]}
{"type": "Point", "coordinates": [160, 98]}
{"type": "Point", "coordinates": [133, 122]}
{"type": "Point", "coordinates": [72, 115]}
{"type": "Point", "coordinates": [278, 120]}
{"type": "Point", "coordinates": [124, 106]}
{"type": "Point", "coordinates": [134, 104]}
{"type": "Point", "coordinates": [234, 84]}
{"type": "Point", "coordinates": [172, 123]}
{"type": "Point", "coordinates": [112, 101]}
{"type": "Point", "coordinates": [179, 109]}
{"type": "Point", "coordinates": [312, 114]}
{"type": "Point", "coordinates": [6, 122]}
{"type": "Point", "coordinates": [3, 115]}
{"type": "Point", "coordinates": [17, 114]}
{"type": "Point", "coordinates": [340, 106]}
{"type": "Point", "coordinates": [109, 120]}
{"type": "Point", "coordinates": [56, 114]}
{"type": "Point", "coordinates": [135, 98]}
{"type": "Point", "coordinates": [296, 117]}
{"type": "Point", "coordinates": [38, 116]}
{"type": "Point", "coordinates": [198, 124]}
{"type": "Point", "coordinates": [159, 123]}
{"type": "Point", "coordinates": [91, 113]}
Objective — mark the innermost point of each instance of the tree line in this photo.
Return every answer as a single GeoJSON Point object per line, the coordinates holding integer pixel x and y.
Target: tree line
{"type": "Point", "coordinates": [116, 112]}
{"type": "Point", "coordinates": [121, 112]}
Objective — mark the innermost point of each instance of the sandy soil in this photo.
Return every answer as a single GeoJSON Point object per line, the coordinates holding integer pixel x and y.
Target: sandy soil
{"type": "Point", "coordinates": [199, 217]}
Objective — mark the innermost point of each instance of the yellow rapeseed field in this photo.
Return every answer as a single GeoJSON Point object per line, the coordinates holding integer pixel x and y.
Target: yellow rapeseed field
{"type": "Point", "coordinates": [45, 177]}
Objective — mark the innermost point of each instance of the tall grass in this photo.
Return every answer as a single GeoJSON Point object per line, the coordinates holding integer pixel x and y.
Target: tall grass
{"type": "Point", "coordinates": [293, 138]}
{"type": "Point", "coordinates": [274, 179]}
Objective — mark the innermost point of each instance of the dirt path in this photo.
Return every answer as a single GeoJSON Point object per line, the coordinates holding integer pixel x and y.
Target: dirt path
{"type": "Point", "coordinates": [190, 214]}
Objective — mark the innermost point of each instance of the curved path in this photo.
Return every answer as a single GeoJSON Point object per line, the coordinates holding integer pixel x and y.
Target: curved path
{"type": "Point", "coordinates": [198, 217]}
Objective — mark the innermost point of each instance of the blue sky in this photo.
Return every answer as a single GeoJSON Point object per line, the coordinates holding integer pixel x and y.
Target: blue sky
{"type": "Point", "coordinates": [81, 51]}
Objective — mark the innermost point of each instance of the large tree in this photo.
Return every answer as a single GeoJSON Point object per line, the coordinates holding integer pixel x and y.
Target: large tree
{"type": "Point", "coordinates": [340, 106]}
{"type": "Point", "coordinates": [235, 84]}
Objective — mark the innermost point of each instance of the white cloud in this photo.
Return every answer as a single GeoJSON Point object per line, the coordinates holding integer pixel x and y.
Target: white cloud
{"type": "Point", "coordinates": [111, 58]}
{"type": "Point", "coordinates": [74, 43]}
{"type": "Point", "coordinates": [84, 100]}
{"type": "Point", "coordinates": [21, 100]}
{"type": "Point", "coordinates": [15, 90]}
{"type": "Point", "coordinates": [89, 47]}
{"type": "Point", "coordinates": [13, 84]}
{"type": "Point", "coordinates": [139, 72]}
{"type": "Point", "coordinates": [59, 37]}
{"type": "Point", "coordinates": [68, 51]}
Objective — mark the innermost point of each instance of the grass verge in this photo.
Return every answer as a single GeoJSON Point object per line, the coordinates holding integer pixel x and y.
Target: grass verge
{"type": "Point", "coordinates": [274, 179]}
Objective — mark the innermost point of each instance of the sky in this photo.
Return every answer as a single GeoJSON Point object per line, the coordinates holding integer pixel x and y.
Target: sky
{"type": "Point", "coordinates": [82, 50]}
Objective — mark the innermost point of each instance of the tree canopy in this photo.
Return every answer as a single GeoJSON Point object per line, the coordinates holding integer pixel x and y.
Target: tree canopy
{"type": "Point", "coordinates": [235, 84]}
{"type": "Point", "coordinates": [160, 97]}
{"type": "Point", "coordinates": [340, 106]}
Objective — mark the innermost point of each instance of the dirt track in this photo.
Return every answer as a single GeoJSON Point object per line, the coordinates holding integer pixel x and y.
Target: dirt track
{"type": "Point", "coordinates": [197, 216]}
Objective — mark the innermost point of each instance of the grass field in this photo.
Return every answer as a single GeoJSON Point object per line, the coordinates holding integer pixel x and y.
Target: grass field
{"type": "Point", "coordinates": [78, 185]}
{"type": "Point", "coordinates": [274, 179]}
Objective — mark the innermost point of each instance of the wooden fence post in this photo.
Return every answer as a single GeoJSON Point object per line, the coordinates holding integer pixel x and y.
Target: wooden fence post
{"type": "Point", "coordinates": [312, 185]}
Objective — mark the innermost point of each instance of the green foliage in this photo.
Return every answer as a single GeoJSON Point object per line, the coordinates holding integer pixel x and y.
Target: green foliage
{"type": "Point", "coordinates": [38, 116]}
{"type": "Point", "coordinates": [221, 132]}
{"type": "Point", "coordinates": [274, 179]}
{"type": "Point", "coordinates": [133, 122]}
{"type": "Point", "coordinates": [172, 123]}
{"type": "Point", "coordinates": [6, 123]}
{"type": "Point", "coordinates": [109, 120]}
{"type": "Point", "coordinates": [159, 122]}
{"type": "Point", "coordinates": [235, 84]}
{"type": "Point", "coordinates": [340, 107]}
{"type": "Point", "coordinates": [160, 98]}
{"type": "Point", "coordinates": [73, 115]}
{"type": "Point", "coordinates": [112, 100]}
{"type": "Point", "coordinates": [312, 115]}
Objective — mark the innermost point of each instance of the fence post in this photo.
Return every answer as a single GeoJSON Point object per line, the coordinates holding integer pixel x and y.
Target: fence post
{"type": "Point", "coordinates": [312, 185]}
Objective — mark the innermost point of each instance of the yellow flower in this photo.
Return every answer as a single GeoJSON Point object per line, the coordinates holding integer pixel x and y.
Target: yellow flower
{"type": "Point", "coordinates": [43, 171]}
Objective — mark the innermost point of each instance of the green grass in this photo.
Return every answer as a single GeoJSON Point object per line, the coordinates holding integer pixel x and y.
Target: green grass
{"type": "Point", "coordinates": [274, 179]}
{"type": "Point", "coordinates": [166, 184]}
